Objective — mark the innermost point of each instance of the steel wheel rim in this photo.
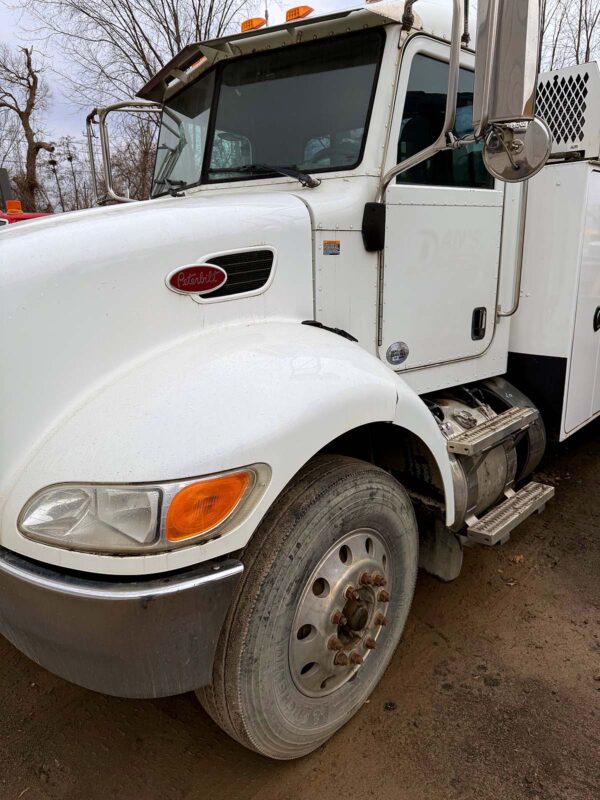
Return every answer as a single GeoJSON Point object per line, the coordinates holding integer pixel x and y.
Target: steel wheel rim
{"type": "Point", "coordinates": [340, 617]}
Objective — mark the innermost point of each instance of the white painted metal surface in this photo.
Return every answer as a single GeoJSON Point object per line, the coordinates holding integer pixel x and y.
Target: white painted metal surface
{"type": "Point", "coordinates": [556, 207]}
{"type": "Point", "coordinates": [121, 380]}
{"type": "Point", "coordinates": [442, 255]}
{"type": "Point", "coordinates": [583, 398]}
{"type": "Point", "coordinates": [561, 283]}
{"type": "Point", "coordinates": [212, 401]}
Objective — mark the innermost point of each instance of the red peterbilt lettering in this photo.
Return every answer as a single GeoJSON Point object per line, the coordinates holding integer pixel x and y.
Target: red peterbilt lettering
{"type": "Point", "coordinates": [197, 279]}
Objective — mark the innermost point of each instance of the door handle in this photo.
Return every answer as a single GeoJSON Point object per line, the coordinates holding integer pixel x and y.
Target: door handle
{"type": "Point", "coordinates": [479, 323]}
{"type": "Point", "coordinates": [597, 320]}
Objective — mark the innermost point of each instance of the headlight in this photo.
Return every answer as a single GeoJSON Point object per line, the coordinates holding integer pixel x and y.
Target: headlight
{"type": "Point", "coordinates": [141, 518]}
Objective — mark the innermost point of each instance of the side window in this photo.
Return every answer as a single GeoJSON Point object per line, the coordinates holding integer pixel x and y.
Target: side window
{"type": "Point", "coordinates": [423, 120]}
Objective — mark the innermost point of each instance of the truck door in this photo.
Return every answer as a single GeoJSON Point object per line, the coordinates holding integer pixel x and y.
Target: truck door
{"type": "Point", "coordinates": [443, 225]}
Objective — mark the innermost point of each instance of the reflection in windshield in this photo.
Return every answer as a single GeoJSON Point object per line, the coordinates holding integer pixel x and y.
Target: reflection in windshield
{"type": "Point", "coordinates": [302, 108]}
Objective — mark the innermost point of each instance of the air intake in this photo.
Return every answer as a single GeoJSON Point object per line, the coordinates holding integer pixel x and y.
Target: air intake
{"type": "Point", "coordinates": [569, 101]}
{"type": "Point", "coordinates": [246, 272]}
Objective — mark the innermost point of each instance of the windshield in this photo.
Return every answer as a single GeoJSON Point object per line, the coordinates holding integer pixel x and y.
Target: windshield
{"type": "Point", "coordinates": [304, 107]}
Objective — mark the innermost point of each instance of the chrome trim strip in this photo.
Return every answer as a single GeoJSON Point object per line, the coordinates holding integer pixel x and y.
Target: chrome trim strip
{"type": "Point", "coordinates": [41, 577]}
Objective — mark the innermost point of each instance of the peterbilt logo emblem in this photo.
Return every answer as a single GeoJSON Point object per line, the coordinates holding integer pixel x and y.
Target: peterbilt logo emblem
{"type": "Point", "coordinates": [196, 279]}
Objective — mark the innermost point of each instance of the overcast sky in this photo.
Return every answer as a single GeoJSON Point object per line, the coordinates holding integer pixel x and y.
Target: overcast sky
{"type": "Point", "coordinates": [65, 118]}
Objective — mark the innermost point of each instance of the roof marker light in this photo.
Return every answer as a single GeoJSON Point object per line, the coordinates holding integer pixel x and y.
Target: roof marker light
{"type": "Point", "coordinates": [299, 12]}
{"type": "Point", "coordinates": [14, 207]}
{"type": "Point", "coordinates": [253, 23]}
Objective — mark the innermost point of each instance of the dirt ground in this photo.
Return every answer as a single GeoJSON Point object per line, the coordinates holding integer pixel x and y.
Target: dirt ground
{"type": "Point", "coordinates": [494, 693]}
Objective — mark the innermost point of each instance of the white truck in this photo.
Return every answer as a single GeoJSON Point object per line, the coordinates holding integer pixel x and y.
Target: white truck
{"type": "Point", "coordinates": [237, 417]}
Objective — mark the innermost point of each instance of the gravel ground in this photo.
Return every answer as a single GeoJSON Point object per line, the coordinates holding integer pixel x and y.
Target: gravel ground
{"type": "Point", "coordinates": [493, 693]}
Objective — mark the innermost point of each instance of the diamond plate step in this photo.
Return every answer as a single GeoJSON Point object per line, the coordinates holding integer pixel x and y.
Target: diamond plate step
{"type": "Point", "coordinates": [490, 433]}
{"type": "Point", "coordinates": [497, 524]}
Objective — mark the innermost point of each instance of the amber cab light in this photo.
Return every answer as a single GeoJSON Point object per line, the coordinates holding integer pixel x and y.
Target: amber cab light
{"type": "Point", "coordinates": [202, 506]}
{"type": "Point", "coordinates": [253, 23]}
{"type": "Point", "coordinates": [14, 207]}
{"type": "Point", "coordinates": [299, 12]}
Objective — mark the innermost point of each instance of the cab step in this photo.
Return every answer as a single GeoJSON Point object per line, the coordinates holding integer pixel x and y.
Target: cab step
{"type": "Point", "coordinates": [498, 523]}
{"type": "Point", "coordinates": [488, 434]}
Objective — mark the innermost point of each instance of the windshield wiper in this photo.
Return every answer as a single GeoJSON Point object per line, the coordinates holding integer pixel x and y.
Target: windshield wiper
{"type": "Point", "coordinates": [172, 185]}
{"type": "Point", "coordinates": [289, 172]}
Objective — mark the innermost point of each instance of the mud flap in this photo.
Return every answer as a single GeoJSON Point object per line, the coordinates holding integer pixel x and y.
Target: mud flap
{"type": "Point", "coordinates": [440, 550]}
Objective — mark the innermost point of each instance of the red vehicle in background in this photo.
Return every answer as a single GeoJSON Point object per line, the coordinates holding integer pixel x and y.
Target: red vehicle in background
{"type": "Point", "coordinates": [15, 213]}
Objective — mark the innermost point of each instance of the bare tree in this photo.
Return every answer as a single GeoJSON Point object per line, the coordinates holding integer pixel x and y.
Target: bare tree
{"type": "Point", "coordinates": [114, 46]}
{"type": "Point", "coordinates": [553, 14]}
{"type": "Point", "coordinates": [583, 25]}
{"type": "Point", "coordinates": [571, 31]}
{"type": "Point", "coordinates": [11, 142]}
{"type": "Point", "coordinates": [24, 93]}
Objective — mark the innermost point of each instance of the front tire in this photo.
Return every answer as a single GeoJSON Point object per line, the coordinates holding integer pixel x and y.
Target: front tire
{"type": "Point", "coordinates": [328, 582]}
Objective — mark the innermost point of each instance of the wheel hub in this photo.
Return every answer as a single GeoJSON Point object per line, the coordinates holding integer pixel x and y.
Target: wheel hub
{"type": "Point", "coordinates": [357, 614]}
{"type": "Point", "coordinates": [341, 613]}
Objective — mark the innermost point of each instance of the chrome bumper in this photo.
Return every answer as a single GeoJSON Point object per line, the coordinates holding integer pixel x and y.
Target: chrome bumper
{"type": "Point", "coordinates": [150, 637]}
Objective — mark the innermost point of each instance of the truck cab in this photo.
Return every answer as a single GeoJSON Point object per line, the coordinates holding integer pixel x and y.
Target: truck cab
{"type": "Point", "coordinates": [241, 414]}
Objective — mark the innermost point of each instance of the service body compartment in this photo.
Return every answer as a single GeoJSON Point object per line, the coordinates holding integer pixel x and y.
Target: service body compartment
{"type": "Point", "coordinates": [555, 337]}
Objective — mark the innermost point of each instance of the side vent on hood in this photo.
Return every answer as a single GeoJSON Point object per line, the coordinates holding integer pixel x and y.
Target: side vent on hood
{"type": "Point", "coordinates": [246, 272]}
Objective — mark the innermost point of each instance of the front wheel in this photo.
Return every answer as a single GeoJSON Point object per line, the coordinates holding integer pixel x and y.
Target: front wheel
{"type": "Point", "coordinates": [328, 582]}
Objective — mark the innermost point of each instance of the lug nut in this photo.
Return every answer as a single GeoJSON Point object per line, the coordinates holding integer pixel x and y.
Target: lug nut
{"type": "Point", "coordinates": [370, 643]}
{"type": "Point", "coordinates": [383, 596]}
{"type": "Point", "coordinates": [339, 619]}
{"type": "Point", "coordinates": [380, 619]}
{"type": "Point", "coordinates": [334, 644]}
{"type": "Point", "coordinates": [341, 660]}
{"type": "Point", "coordinates": [366, 579]}
{"type": "Point", "coordinates": [379, 580]}
{"type": "Point", "coordinates": [356, 658]}
{"type": "Point", "coordinates": [352, 594]}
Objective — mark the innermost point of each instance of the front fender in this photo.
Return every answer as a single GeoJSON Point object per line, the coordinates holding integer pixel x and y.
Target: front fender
{"type": "Point", "coordinates": [274, 392]}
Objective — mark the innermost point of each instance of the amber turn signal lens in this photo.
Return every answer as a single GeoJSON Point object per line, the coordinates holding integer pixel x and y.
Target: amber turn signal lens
{"type": "Point", "coordinates": [253, 24]}
{"type": "Point", "coordinates": [299, 12]}
{"type": "Point", "coordinates": [202, 506]}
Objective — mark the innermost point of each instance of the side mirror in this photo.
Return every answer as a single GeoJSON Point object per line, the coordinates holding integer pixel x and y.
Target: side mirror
{"type": "Point", "coordinates": [506, 70]}
{"type": "Point", "coordinates": [98, 117]}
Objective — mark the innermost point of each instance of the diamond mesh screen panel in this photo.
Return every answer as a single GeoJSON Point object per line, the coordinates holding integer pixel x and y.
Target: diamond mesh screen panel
{"type": "Point", "coordinates": [562, 103]}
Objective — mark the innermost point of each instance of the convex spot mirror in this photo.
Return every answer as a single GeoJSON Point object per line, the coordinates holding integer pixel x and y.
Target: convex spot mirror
{"type": "Point", "coordinates": [516, 151]}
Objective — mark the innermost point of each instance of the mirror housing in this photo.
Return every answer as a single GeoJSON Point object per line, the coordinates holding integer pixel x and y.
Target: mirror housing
{"type": "Point", "coordinates": [517, 144]}
{"type": "Point", "coordinates": [506, 65]}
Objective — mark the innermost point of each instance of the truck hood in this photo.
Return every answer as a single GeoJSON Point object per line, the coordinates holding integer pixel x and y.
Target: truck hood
{"type": "Point", "coordinates": [83, 297]}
